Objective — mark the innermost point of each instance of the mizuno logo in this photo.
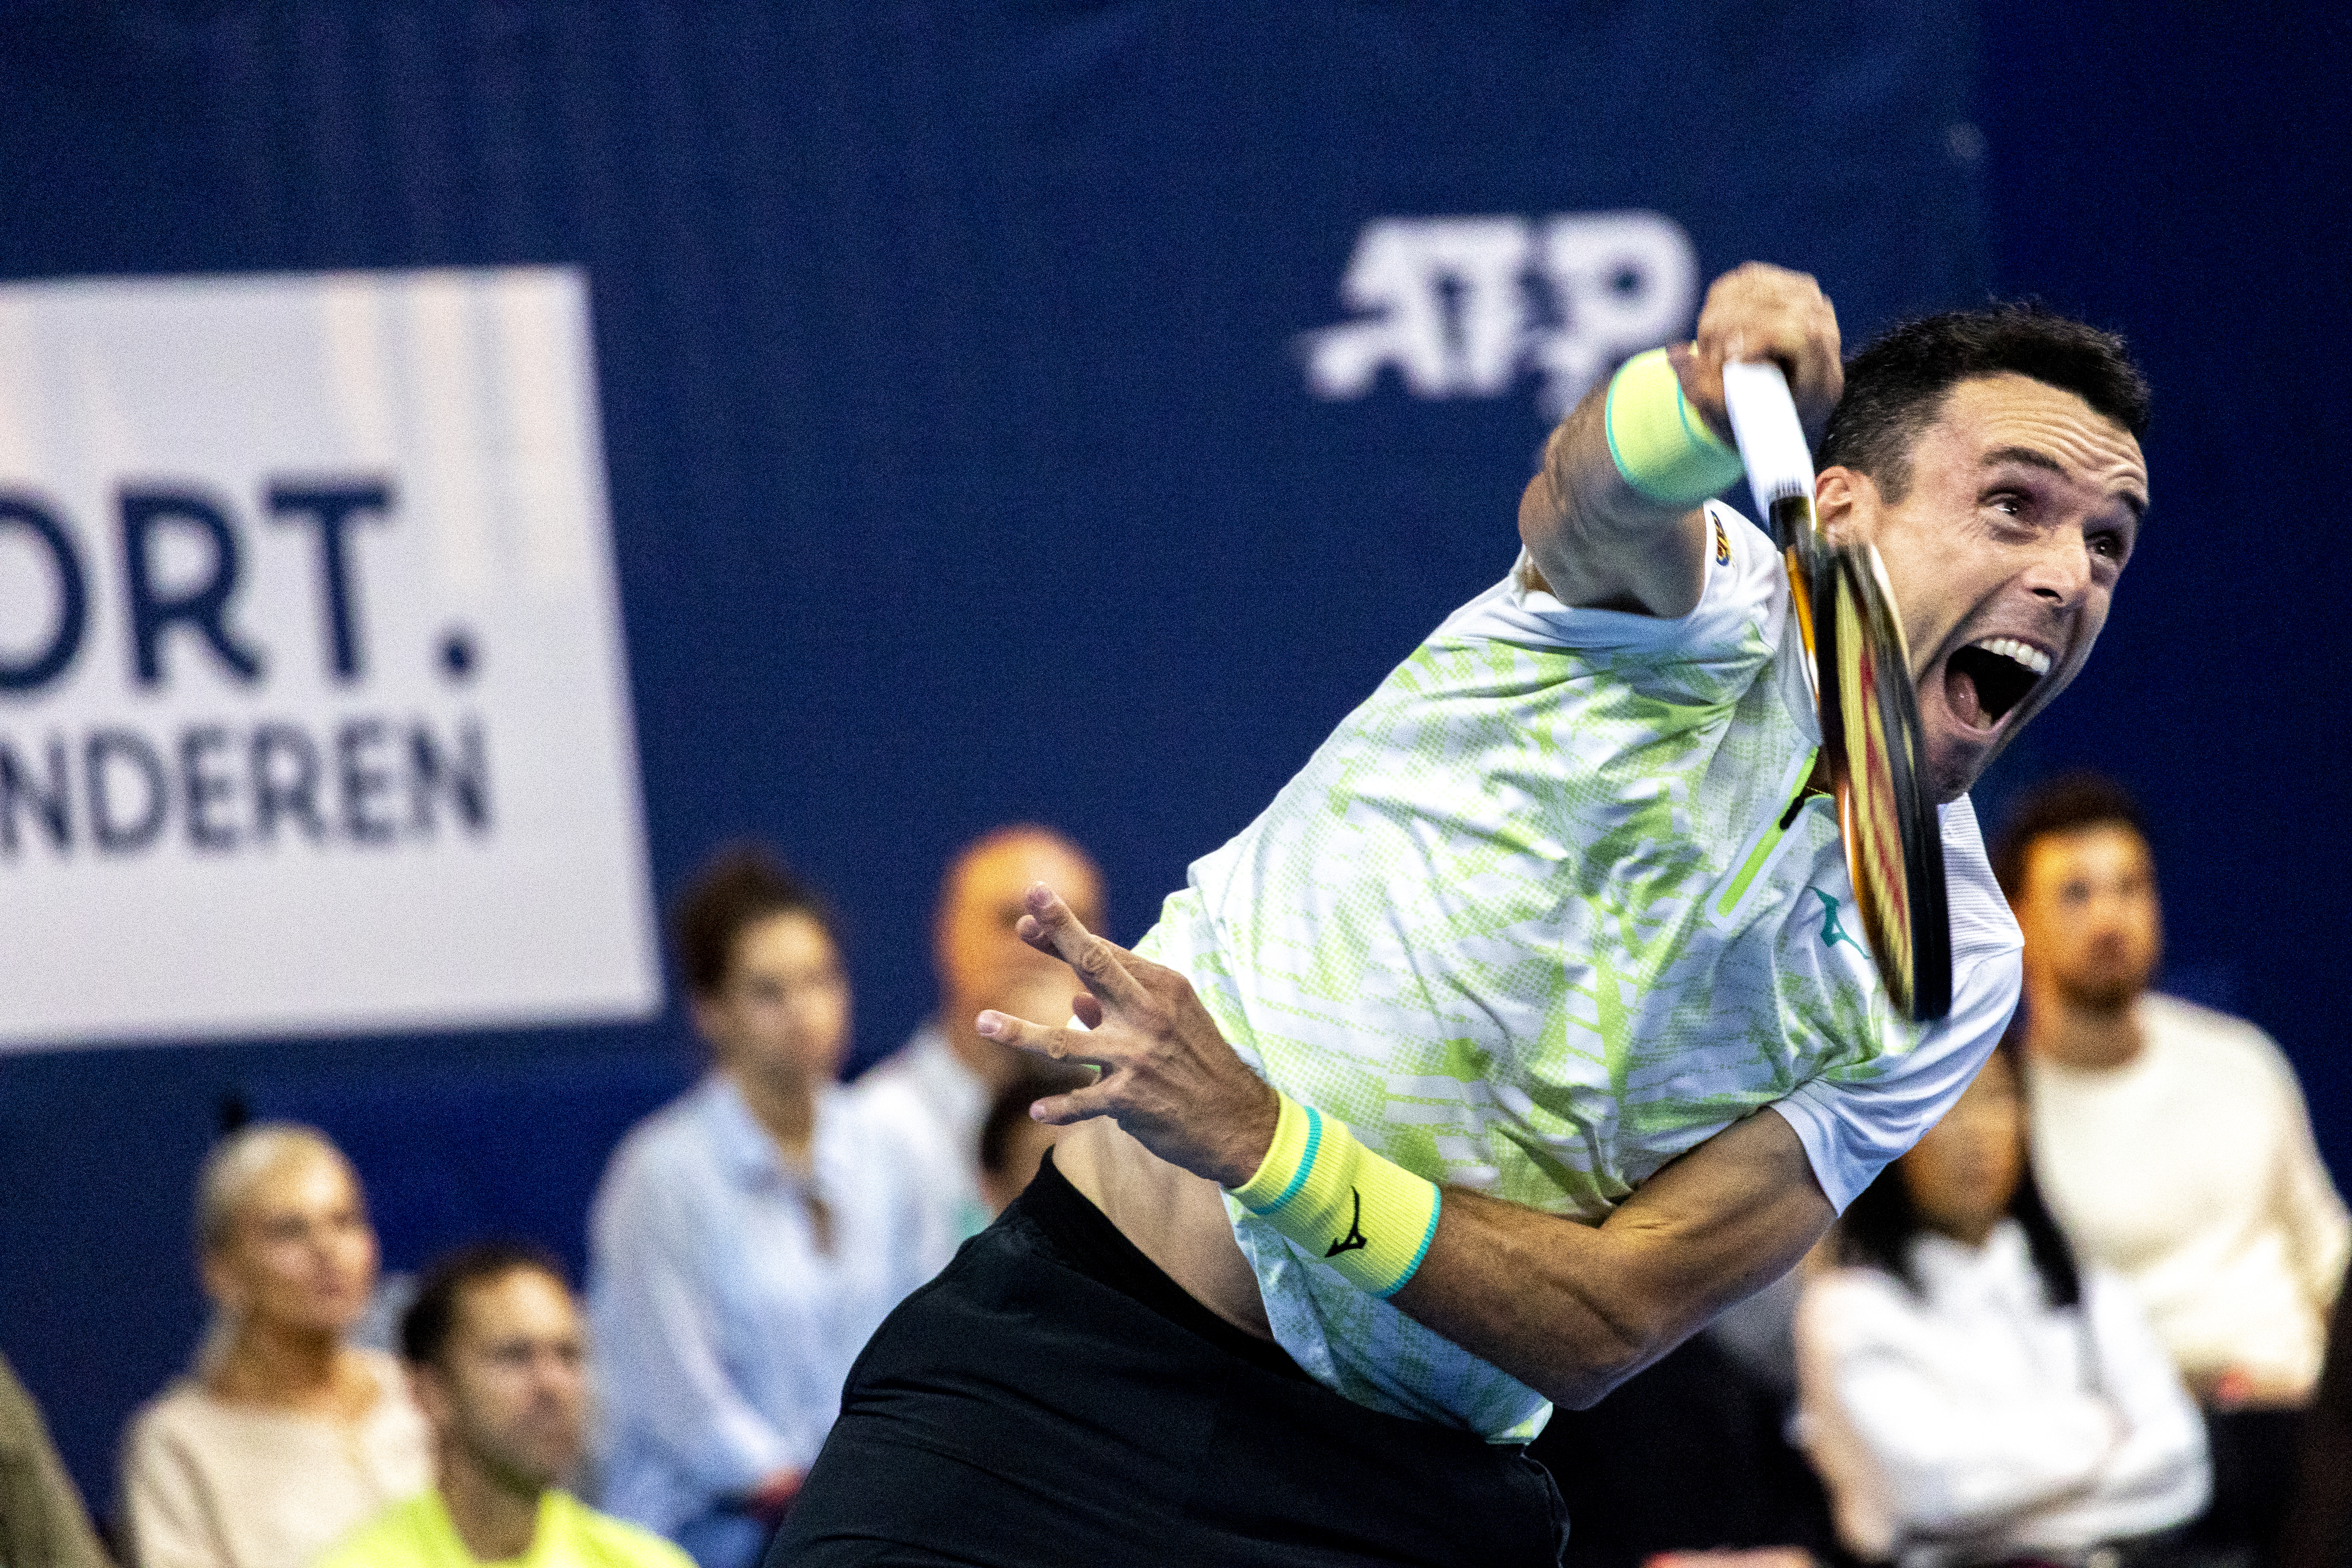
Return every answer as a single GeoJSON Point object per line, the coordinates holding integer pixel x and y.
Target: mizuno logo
{"type": "Point", "coordinates": [1832, 933]}
{"type": "Point", "coordinates": [1355, 1237]}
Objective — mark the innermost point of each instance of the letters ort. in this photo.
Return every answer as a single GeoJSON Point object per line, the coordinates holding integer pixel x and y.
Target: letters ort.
{"type": "Point", "coordinates": [118, 789]}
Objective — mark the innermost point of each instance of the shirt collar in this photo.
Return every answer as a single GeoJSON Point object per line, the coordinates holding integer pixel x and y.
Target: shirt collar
{"type": "Point", "coordinates": [744, 1146]}
{"type": "Point", "coordinates": [2004, 1260]}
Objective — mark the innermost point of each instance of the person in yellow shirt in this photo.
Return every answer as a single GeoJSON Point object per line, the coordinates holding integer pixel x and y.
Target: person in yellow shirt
{"type": "Point", "coordinates": [497, 1358]}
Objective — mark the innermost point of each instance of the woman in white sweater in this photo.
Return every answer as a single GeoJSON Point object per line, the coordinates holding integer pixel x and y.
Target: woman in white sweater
{"type": "Point", "coordinates": [286, 1437]}
{"type": "Point", "coordinates": [1970, 1392]}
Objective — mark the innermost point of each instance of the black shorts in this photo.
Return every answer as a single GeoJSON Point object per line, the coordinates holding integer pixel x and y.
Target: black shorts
{"type": "Point", "coordinates": [1054, 1398]}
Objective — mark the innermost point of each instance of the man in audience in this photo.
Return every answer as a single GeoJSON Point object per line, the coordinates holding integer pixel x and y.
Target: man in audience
{"type": "Point", "coordinates": [947, 1075]}
{"type": "Point", "coordinates": [498, 1360]}
{"type": "Point", "coordinates": [2172, 1141]}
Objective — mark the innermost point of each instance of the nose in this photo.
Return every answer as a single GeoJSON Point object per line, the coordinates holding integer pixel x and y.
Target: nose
{"type": "Point", "coordinates": [2060, 574]}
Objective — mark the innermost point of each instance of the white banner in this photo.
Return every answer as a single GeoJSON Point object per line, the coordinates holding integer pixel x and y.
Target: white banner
{"type": "Point", "coordinates": [314, 713]}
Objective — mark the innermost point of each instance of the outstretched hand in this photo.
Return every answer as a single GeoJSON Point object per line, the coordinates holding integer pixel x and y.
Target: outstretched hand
{"type": "Point", "coordinates": [1168, 1077]}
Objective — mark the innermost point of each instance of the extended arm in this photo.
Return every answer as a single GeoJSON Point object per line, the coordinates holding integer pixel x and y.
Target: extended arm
{"type": "Point", "coordinates": [1602, 542]}
{"type": "Point", "coordinates": [1570, 1309]}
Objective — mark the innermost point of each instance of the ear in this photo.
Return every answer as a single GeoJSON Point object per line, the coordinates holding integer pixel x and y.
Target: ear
{"type": "Point", "coordinates": [430, 1389]}
{"type": "Point", "coordinates": [222, 1284]}
{"type": "Point", "coordinates": [1847, 503]}
{"type": "Point", "coordinates": [710, 1017]}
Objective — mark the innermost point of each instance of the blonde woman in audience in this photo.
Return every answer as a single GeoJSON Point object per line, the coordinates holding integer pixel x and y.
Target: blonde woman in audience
{"type": "Point", "coordinates": [1969, 1392]}
{"type": "Point", "coordinates": [286, 1435]}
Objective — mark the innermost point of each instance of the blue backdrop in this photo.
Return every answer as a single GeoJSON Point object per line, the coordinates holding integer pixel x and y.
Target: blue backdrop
{"type": "Point", "coordinates": [965, 466]}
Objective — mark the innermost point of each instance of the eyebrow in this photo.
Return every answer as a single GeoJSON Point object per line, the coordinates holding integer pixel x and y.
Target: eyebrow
{"type": "Point", "coordinates": [2133, 501]}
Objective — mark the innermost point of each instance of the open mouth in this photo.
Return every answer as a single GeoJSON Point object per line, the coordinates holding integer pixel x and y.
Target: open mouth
{"type": "Point", "coordinates": [1985, 681]}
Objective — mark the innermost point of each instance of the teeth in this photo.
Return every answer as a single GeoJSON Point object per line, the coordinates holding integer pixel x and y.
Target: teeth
{"type": "Point", "coordinates": [2033, 658]}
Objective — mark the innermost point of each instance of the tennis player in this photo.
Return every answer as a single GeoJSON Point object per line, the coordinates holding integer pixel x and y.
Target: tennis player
{"type": "Point", "coordinates": [1530, 1024]}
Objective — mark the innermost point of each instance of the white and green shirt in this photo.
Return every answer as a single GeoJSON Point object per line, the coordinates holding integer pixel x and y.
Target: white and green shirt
{"type": "Point", "coordinates": [1546, 912]}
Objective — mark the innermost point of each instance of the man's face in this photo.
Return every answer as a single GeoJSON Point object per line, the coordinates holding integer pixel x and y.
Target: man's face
{"type": "Point", "coordinates": [982, 961]}
{"type": "Point", "coordinates": [2088, 907]}
{"type": "Point", "coordinates": [2023, 509]}
{"type": "Point", "coordinates": [510, 1396]}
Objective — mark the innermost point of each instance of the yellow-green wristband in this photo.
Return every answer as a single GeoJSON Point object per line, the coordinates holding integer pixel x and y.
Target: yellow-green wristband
{"type": "Point", "coordinates": [1662, 446]}
{"type": "Point", "coordinates": [1370, 1219]}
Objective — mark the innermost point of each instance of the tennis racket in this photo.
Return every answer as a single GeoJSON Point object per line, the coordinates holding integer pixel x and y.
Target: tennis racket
{"type": "Point", "coordinates": [1860, 671]}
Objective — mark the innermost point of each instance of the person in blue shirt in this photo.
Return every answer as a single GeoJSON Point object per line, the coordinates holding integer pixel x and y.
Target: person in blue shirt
{"type": "Point", "coordinates": [747, 1238]}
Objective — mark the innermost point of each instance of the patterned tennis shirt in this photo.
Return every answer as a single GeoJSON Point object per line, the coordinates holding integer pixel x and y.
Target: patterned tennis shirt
{"type": "Point", "coordinates": [1550, 909]}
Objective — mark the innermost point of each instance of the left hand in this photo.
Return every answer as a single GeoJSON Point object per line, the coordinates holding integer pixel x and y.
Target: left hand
{"type": "Point", "coordinates": [1169, 1078]}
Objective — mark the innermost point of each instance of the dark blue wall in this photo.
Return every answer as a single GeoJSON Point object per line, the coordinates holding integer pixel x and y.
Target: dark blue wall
{"type": "Point", "coordinates": [964, 468]}
{"type": "Point", "coordinates": [2179, 173]}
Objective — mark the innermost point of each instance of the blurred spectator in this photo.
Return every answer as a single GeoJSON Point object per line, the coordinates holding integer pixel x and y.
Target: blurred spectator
{"type": "Point", "coordinates": [498, 1359]}
{"type": "Point", "coordinates": [747, 1238]}
{"type": "Point", "coordinates": [2173, 1142]}
{"type": "Point", "coordinates": [1013, 1143]}
{"type": "Point", "coordinates": [2318, 1532]}
{"type": "Point", "coordinates": [42, 1521]}
{"type": "Point", "coordinates": [1969, 1393]}
{"type": "Point", "coordinates": [287, 1435]}
{"type": "Point", "coordinates": [948, 1071]}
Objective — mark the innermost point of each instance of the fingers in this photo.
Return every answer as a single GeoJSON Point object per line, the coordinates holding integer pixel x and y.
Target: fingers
{"type": "Point", "coordinates": [1758, 311]}
{"type": "Point", "coordinates": [1060, 1045]}
{"type": "Point", "coordinates": [1050, 926]}
{"type": "Point", "coordinates": [1080, 1105]}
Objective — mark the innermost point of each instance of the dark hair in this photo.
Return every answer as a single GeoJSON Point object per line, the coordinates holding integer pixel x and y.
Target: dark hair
{"type": "Point", "coordinates": [432, 1315]}
{"type": "Point", "coordinates": [2063, 804]}
{"type": "Point", "coordinates": [1896, 387]}
{"type": "Point", "coordinates": [739, 886]}
{"type": "Point", "coordinates": [1878, 1227]}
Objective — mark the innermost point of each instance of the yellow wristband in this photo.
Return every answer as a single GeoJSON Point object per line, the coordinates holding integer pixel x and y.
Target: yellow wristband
{"type": "Point", "coordinates": [1367, 1218]}
{"type": "Point", "coordinates": [1660, 445]}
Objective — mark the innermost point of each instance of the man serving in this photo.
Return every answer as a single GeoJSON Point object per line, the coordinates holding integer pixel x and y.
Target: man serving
{"type": "Point", "coordinates": [1525, 1029]}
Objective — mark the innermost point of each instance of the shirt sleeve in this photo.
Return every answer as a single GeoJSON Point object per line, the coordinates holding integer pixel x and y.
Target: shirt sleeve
{"type": "Point", "coordinates": [657, 1339]}
{"type": "Point", "coordinates": [1712, 651]}
{"type": "Point", "coordinates": [1853, 1128]}
{"type": "Point", "coordinates": [2161, 1466]}
{"type": "Point", "coordinates": [2309, 1208]}
{"type": "Point", "coordinates": [39, 1505]}
{"type": "Point", "coordinates": [170, 1518]}
{"type": "Point", "coordinates": [922, 1220]}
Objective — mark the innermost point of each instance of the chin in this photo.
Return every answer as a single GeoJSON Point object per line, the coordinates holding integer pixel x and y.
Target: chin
{"type": "Point", "coordinates": [1954, 764]}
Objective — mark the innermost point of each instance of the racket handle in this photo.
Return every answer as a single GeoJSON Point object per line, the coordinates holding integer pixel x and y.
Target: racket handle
{"type": "Point", "coordinates": [1771, 442]}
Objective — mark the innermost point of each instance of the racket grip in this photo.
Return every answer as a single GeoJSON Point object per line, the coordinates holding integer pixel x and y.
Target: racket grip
{"type": "Point", "coordinates": [1771, 442]}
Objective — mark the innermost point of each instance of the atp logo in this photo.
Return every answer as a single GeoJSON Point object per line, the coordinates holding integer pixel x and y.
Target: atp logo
{"type": "Point", "coordinates": [1463, 306]}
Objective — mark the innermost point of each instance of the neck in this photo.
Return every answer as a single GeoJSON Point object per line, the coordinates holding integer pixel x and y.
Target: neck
{"type": "Point", "coordinates": [496, 1516]}
{"type": "Point", "coordinates": [2075, 1037]}
{"type": "Point", "coordinates": [1972, 1235]}
{"type": "Point", "coordinates": [788, 1112]}
{"type": "Point", "coordinates": [271, 1364]}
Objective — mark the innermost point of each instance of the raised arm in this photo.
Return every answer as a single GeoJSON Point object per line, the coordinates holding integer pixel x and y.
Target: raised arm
{"type": "Point", "coordinates": [1572, 1310]}
{"type": "Point", "coordinates": [1601, 540]}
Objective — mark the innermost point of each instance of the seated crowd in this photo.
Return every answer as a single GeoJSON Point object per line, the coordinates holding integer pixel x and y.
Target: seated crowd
{"type": "Point", "coordinates": [2083, 1323]}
